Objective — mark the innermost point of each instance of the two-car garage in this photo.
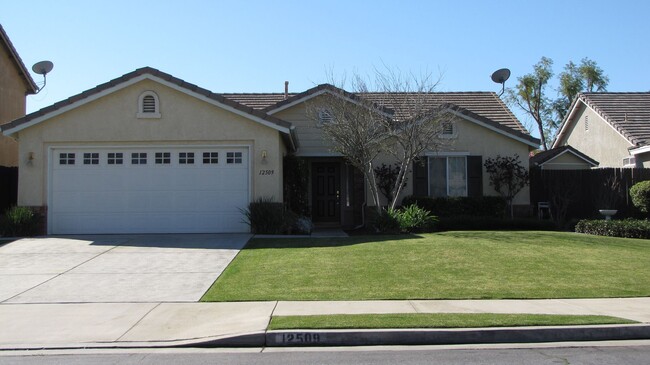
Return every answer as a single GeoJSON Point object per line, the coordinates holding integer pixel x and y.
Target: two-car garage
{"type": "Point", "coordinates": [157, 189]}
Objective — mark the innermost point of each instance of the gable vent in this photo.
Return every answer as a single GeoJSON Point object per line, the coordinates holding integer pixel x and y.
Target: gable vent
{"type": "Point", "coordinates": [148, 104]}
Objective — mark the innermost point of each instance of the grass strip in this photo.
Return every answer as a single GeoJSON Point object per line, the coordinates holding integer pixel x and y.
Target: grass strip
{"type": "Point", "coordinates": [435, 320]}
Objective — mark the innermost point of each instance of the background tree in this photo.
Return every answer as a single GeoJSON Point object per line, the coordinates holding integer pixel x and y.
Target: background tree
{"type": "Point", "coordinates": [530, 95]}
{"type": "Point", "coordinates": [396, 118]}
{"type": "Point", "coordinates": [507, 176]}
{"type": "Point", "coordinates": [587, 77]}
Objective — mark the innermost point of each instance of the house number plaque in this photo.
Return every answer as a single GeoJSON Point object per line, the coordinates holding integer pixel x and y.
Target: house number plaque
{"type": "Point", "coordinates": [297, 338]}
{"type": "Point", "coordinates": [267, 172]}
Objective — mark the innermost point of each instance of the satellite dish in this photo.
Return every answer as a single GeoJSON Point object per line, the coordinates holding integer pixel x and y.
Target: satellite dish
{"type": "Point", "coordinates": [500, 77]}
{"type": "Point", "coordinates": [42, 68]}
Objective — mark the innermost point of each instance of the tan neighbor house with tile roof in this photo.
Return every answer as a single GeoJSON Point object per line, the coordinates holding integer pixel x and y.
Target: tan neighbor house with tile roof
{"type": "Point", "coordinates": [15, 84]}
{"type": "Point", "coordinates": [612, 128]}
{"type": "Point", "coordinates": [150, 153]}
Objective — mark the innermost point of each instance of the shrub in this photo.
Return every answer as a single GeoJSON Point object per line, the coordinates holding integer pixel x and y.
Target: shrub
{"type": "Point", "coordinates": [387, 222]}
{"type": "Point", "coordinates": [405, 220]}
{"type": "Point", "coordinates": [628, 228]}
{"type": "Point", "coordinates": [19, 222]}
{"type": "Point", "coordinates": [471, 223]}
{"type": "Point", "coordinates": [492, 206]}
{"type": "Point", "coordinates": [265, 216]}
{"type": "Point", "coordinates": [415, 219]}
{"type": "Point", "coordinates": [640, 194]}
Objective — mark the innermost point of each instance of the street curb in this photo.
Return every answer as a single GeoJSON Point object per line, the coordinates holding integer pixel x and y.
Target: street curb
{"type": "Point", "coordinates": [380, 337]}
{"type": "Point", "coordinates": [456, 336]}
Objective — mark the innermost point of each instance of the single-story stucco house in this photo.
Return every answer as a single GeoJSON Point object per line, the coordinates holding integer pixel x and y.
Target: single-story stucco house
{"type": "Point", "coordinates": [150, 153]}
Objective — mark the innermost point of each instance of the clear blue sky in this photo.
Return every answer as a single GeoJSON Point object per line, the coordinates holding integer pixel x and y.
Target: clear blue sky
{"type": "Point", "coordinates": [254, 46]}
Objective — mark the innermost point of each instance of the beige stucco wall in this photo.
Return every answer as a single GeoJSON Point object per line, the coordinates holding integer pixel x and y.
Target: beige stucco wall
{"type": "Point", "coordinates": [566, 161]}
{"type": "Point", "coordinates": [600, 142]}
{"type": "Point", "coordinates": [308, 133]}
{"type": "Point", "coordinates": [12, 104]}
{"type": "Point", "coordinates": [471, 138]}
{"type": "Point", "coordinates": [111, 121]}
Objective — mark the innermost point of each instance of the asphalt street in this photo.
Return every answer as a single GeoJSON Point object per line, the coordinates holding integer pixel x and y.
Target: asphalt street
{"type": "Point", "coordinates": [624, 354]}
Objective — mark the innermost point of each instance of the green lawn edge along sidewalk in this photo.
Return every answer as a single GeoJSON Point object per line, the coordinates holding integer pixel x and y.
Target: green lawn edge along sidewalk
{"type": "Point", "coordinates": [436, 320]}
{"type": "Point", "coordinates": [448, 265]}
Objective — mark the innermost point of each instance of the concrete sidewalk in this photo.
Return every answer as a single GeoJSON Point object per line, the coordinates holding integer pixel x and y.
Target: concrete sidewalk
{"type": "Point", "coordinates": [76, 325]}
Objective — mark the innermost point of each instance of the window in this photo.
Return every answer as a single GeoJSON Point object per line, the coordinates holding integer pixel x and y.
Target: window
{"type": "Point", "coordinates": [186, 158]}
{"type": "Point", "coordinates": [115, 158]}
{"type": "Point", "coordinates": [148, 105]}
{"type": "Point", "coordinates": [586, 122]}
{"type": "Point", "coordinates": [210, 157]}
{"type": "Point", "coordinates": [448, 176]}
{"type": "Point", "coordinates": [91, 158]}
{"type": "Point", "coordinates": [139, 158]}
{"type": "Point", "coordinates": [233, 157]}
{"type": "Point", "coordinates": [66, 158]}
{"type": "Point", "coordinates": [629, 162]}
{"type": "Point", "coordinates": [325, 116]}
{"type": "Point", "coordinates": [163, 158]}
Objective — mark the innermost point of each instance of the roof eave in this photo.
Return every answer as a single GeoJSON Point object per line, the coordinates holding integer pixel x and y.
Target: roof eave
{"type": "Point", "coordinates": [135, 77]}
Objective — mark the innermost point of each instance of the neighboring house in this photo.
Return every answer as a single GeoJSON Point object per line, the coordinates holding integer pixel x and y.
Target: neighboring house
{"type": "Point", "coordinates": [562, 158]}
{"type": "Point", "coordinates": [15, 85]}
{"type": "Point", "coordinates": [613, 128]}
{"type": "Point", "coordinates": [148, 152]}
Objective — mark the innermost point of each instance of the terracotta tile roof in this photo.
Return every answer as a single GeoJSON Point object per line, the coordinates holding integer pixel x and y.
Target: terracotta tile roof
{"type": "Point", "coordinates": [486, 106]}
{"type": "Point", "coordinates": [19, 62]}
{"type": "Point", "coordinates": [257, 101]}
{"type": "Point", "coordinates": [545, 156]}
{"type": "Point", "coordinates": [629, 113]}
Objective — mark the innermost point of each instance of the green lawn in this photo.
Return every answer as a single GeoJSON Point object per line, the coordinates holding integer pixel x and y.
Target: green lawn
{"type": "Point", "coordinates": [435, 320]}
{"type": "Point", "coordinates": [449, 265]}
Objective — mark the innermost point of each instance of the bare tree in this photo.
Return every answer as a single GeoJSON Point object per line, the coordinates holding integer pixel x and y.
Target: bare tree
{"type": "Point", "coordinates": [400, 117]}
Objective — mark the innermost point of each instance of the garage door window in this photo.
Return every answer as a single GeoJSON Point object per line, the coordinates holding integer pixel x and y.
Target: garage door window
{"type": "Point", "coordinates": [163, 158]}
{"type": "Point", "coordinates": [66, 158]}
{"type": "Point", "coordinates": [139, 158]}
{"type": "Point", "coordinates": [233, 157]}
{"type": "Point", "coordinates": [210, 157]}
{"type": "Point", "coordinates": [186, 158]}
{"type": "Point", "coordinates": [91, 158]}
{"type": "Point", "coordinates": [115, 158]}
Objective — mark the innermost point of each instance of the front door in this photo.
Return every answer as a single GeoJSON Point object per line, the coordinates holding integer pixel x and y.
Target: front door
{"type": "Point", "coordinates": [326, 192]}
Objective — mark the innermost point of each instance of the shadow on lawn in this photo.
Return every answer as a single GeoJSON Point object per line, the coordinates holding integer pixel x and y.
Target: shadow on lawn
{"type": "Point", "coordinates": [273, 243]}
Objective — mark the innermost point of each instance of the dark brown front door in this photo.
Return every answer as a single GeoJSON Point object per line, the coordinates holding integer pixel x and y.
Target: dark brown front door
{"type": "Point", "coordinates": [326, 192]}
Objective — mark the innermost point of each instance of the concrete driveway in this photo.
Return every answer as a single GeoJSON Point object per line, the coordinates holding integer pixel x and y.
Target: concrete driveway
{"type": "Point", "coordinates": [114, 268]}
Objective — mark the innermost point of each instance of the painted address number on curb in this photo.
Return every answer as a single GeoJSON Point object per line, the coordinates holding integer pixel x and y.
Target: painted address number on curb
{"type": "Point", "coordinates": [289, 338]}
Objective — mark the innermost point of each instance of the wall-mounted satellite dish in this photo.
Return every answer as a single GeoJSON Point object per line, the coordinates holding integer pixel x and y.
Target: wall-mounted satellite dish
{"type": "Point", "coordinates": [42, 68]}
{"type": "Point", "coordinates": [500, 77]}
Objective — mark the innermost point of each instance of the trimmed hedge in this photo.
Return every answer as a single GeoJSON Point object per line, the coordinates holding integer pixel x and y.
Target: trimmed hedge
{"type": "Point", "coordinates": [628, 228]}
{"type": "Point", "coordinates": [471, 223]}
{"type": "Point", "coordinates": [640, 194]}
{"type": "Point", "coordinates": [490, 206]}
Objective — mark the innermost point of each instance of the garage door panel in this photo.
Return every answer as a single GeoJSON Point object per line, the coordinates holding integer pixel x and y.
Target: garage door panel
{"type": "Point", "coordinates": [149, 198]}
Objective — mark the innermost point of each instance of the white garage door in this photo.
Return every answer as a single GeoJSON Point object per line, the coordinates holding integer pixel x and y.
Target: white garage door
{"type": "Point", "coordinates": [148, 190]}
